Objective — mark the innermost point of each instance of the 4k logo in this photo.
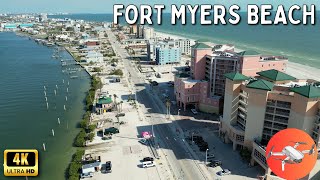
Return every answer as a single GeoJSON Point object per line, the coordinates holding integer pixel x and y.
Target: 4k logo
{"type": "Point", "coordinates": [20, 162]}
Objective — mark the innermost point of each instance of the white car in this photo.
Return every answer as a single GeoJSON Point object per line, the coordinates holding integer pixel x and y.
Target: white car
{"type": "Point", "coordinates": [224, 172]}
{"type": "Point", "coordinates": [86, 175]}
{"type": "Point", "coordinates": [194, 111]}
{"type": "Point", "coordinates": [148, 164]}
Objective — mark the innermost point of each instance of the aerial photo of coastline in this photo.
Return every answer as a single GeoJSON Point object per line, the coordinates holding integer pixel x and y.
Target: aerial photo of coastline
{"type": "Point", "coordinates": [113, 101]}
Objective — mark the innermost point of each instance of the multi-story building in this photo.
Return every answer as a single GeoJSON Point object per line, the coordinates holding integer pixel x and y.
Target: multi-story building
{"type": "Point", "coordinates": [148, 33]}
{"type": "Point", "coordinates": [167, 55]}
{"type": "Point", "coordinates": [257, 108]}
{"type": "Point", "coordinates": [183, 44]}
{"type": "Point", "coordinates": [211, 63]}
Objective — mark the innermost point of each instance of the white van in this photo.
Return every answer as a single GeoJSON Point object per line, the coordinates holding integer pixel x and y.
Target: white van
{"type": "Point", "coordinates": [148, 164]}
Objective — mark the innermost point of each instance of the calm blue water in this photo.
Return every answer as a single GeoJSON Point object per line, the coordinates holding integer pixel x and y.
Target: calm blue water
{"type": "Point", "coordinates": [299, 43]}
{"type": "Point", "coordinates": [25, 121]}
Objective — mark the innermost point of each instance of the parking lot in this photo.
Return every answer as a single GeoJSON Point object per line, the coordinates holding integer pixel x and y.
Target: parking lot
{"type": "Point", "coordinates": [123, 150]}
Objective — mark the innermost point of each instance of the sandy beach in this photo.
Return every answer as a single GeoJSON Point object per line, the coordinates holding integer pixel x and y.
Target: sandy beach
{"type": "Point", "coordinates": [294, 69]}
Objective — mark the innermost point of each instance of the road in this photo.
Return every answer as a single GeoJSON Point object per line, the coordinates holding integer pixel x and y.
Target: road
{"type": "Point", "coordinates": [179, 159]}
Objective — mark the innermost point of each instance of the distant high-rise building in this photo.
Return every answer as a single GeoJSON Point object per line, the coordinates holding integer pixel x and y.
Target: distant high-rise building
{"type": "Point", "coordinates": [43, 17]}
{"type": "Point", "coordinates": [211, 63]}
{"type": "Point", "coordinates": [167, 55]}
{"type": "Point", "coordinates": [148, 33]}
{"type": "Point", "coordinates": [139, 33]}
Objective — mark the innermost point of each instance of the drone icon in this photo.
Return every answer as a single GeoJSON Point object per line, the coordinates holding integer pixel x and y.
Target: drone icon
{"type": "Point", "coordinates": [294, 156]}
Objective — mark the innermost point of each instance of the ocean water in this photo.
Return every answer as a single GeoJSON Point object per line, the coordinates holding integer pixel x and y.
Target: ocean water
{"type": "Point", "coordinates": [297, 42]}
{"type": "Point", "coordinates": [25, 121]}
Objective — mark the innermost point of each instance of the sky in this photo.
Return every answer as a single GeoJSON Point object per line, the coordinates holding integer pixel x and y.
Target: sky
{"type": "Point", "coordinates": [106, 6]}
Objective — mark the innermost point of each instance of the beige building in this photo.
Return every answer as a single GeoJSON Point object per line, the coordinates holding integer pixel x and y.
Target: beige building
{"type": "Point", "coordinates": [257, 108]}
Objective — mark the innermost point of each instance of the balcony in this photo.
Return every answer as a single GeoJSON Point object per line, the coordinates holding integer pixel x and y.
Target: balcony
{"type": "Point", "coordinates": [244, 95]}
{"type": "Point", "coordinates": [283, 121]}
{"type": "Point", "coordinates": [242, 109]}
{"type": "Point", "coordinates": [279, 127]}
{"type": "Point", "coordinates": [268, 125]}
{"type": "Point", "coordinates": [282, 113]}
{"type": "Point", "coordinates": [243, 102]}
{"type": "Point", "coordinates": [269, 103]}
{"type": "Point", "coordinates": [241, 121]}
{"type": "Point", "coordinates": [284, 106]}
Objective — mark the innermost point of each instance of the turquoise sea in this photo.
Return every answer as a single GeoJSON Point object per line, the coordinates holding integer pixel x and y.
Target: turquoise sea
{"type": "Point", "coordinates": [25, 123]}
{"type": "Point", "coordinates": [297, 42]}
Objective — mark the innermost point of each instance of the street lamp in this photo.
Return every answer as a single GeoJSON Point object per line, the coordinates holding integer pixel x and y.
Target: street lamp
{"type": "Point", "coordinates": [206, 155]}
{"type": "Point", "coordinates": [192, 136]}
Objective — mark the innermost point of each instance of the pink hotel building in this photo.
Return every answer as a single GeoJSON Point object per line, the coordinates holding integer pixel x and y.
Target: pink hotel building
{"type": "Point", "coordinates": [204, 87]}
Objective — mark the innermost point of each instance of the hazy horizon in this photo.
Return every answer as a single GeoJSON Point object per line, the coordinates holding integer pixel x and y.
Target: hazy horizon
{"type": "Point", "coordinates": [106, 7]}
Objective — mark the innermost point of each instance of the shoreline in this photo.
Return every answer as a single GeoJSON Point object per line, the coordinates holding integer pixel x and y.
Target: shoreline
{"type": "Point", "coordinates": [300, 71]}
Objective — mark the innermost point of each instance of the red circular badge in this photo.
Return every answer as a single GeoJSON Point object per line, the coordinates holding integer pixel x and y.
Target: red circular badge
{"type": "Point", "coordinates": [291, 154]}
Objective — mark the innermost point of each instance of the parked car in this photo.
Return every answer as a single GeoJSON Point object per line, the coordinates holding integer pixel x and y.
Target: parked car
{"type": "Point", "coordinates": [120, 115]}
{"type": "Point", "coordinates": [224, 172]}
{"type": "Point", "coordinates": [154, 83]}
{"type": "Point", "coordinates": [111, 130]}
{"type": "Point", "coordinates": [143, 141]}
{"type": "Point", "coordinates": [194, 111]}
{"type": "Point", "coordinates": [148, 164]}
{"type": "Point", "coordinates": [147, 159]}
{"type": "Point", "coordinates": [86, 175]}
{"type": "Point", "coordinates": [215, 163]}
{"type": "Point", "coordinates": [107, 167]}
{"type": "Point", "coordinates": [106, 137]}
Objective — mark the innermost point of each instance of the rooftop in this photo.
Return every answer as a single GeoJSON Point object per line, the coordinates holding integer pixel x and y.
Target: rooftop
{"type": "Point", "coordinates": [95, 164]}
{"type": "Point", "coordinates": [308, 91]}
{"type": "Point", "coordinates": [182, 75]}
{"type": "Point", "coordinates": [192, 81]}
{"type": "Point", "coordinates": [261, 84]}
{"type": "Point", "coordinates": [235, 76]}
{"type": "Point", "coordinates": [104, 100]}
{"type": "Point", "coordinates": [248, 53]}
{"type": "Point", "coordinates": [201, 46]}
{"type": "Point", "coordinates": [276, 75]}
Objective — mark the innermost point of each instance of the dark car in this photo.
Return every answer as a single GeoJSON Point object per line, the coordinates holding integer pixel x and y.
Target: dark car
{"type": "Point", "coordinates": [154, 83]}
{"type": "Point", "coordinates": [120, 115]}
{"type": "Point", "coordinates": [107, 167]}
{"type": "Point", "coordinates": [111, 130]}
{"type": "Point", "coordinates": [215, 163]}
{"type": "Point", "coordinates": [147, 159]}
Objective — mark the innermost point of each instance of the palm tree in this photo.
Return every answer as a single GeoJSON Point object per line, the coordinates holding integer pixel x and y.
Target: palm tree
{"type": "Point", "coordinates": [121, 102]}
{"type": "Point", "coordinates": [115, 100]}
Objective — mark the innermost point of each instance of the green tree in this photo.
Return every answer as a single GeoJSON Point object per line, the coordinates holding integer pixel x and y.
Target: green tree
{"type": "Point", "coordinates": [91, 136]}
{"type": "Point", "coordinates": [73, 177]}
{"type": "Point", "coordinates": [80, 139]}
{"type": "Point", "coordinates": [74, 169]}
{"type": "Point", "coordinates": [77, 156]}
{"type": "Point", "coordinates": [84, 123]}
{"type": "Point", "coordinates": [92, 127]}
{"type": "Point", "coordinates": [97, 69]}
{"type": "Point", "coordinates": [117, 72]}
